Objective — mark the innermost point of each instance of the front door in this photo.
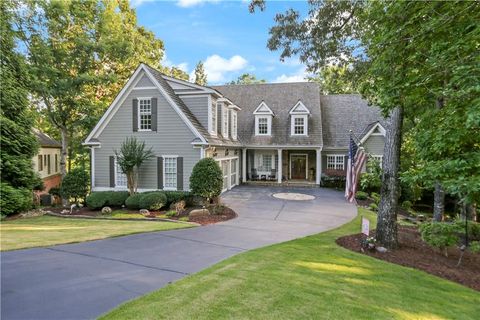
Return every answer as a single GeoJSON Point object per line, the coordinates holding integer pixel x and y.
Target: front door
{"type": "Point", "coordinates": [298, 163]}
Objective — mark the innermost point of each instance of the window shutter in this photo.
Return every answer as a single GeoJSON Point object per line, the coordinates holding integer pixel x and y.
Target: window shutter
{"type": "Point", "coordinates": [154, 114]}
{"type": "Point", "coordinates": [48, 165]}
{"type": "Point", "coordinates": [112, 171]}
{"type": "Point", "coordinates": [135, 115]}
{"type": "Point", "coordinates": [180, 173]}
{"type": "Point", "coordinates": [160, 172]}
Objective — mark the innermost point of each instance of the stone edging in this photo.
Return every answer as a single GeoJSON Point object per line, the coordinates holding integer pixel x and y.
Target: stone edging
{"type": "Point", "coordinates": [50, 213]}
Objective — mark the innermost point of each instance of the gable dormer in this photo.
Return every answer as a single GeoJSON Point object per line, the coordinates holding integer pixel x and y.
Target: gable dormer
{"type": "Point", "coordinates": [263, 120]}
{"type": "Point", "coordinates": [299, 119]}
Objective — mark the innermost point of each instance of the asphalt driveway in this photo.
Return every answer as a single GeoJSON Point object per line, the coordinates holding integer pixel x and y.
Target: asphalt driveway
{"type": "Point", "coordinates": [84, 280]}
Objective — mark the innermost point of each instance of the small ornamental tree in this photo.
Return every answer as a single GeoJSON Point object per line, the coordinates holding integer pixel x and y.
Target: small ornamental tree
{"type": "Point", "coordinates": [131, 156]}
{"type": "Point", "coordinates": [75, 185]}
{"type": "Point", "coordinates": [206, 179]}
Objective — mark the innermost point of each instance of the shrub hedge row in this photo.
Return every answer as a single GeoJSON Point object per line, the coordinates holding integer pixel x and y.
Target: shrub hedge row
{"type": "Point", "coordinates": [152, 200]}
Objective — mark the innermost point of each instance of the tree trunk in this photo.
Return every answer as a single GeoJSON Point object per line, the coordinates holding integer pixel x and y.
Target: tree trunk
{"type": "Point", "coordinates": [63, 155]}
{"type": "Point", "coordinates": [386, 231]}
{"type": "Point", "coordinates": [439, 193]}
{"type": "Point", "coordinates": [438, 202]}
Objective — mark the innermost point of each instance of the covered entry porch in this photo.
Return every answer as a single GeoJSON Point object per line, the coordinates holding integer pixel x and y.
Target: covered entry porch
{"type": "Point", "coordinates": [285, 166]}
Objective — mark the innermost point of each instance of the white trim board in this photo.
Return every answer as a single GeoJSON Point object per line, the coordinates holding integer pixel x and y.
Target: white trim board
{"type": "Point", "coordinates": [371, 132]}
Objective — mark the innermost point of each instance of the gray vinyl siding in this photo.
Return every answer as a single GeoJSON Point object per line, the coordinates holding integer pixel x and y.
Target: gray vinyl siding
{"type": "Point", "coordinates": [199, 107]}
{"type": "Point", "coordinates": [173, 137]}
{"type": "Point", "coordinates": [374, 145]}
{"type": "Point", "coordinates": [144, 82]}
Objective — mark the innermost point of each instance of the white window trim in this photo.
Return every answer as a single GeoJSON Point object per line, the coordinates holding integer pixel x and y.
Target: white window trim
{"type": "Point", "coordinates": [164, 175]}
{"type": "Point", "coordinates": [139, 116]}
{"type": "Point", "coordinates": [212, 124]}
{"type": "Point", "coordinates": [297, 106]}
{"type": "Point", "coordinates": [305, 125]}
{"type": "Point", "coordinates": [269, 125]}
{"type": "Point", "coordinates": [379, 157]}
{"type": "Point", "coordinates": [125, 187]}
{"type": "Point", "coordinates": [335, 163]}
{"type": "Point", "coordinates": [234, 124]}
{"type": "Point", "coordinates": [225, 124]}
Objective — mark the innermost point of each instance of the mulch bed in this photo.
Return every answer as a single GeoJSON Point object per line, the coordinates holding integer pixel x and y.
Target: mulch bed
{"type": "Point", "coordinates": [415, 253]}
{"type": "Point", "coordinates": [227, 214]}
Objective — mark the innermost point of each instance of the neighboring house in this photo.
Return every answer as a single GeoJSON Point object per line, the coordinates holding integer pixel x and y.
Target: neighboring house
{"type": "Point", "coordinates": [282, 133]}
{"type": "Point", "coordinates": [47, 161]}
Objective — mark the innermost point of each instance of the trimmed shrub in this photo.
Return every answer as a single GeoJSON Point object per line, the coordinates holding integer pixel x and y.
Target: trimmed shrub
{"type": "Point", "coordinates": [440, 234]}
{"type": "Point", "coordinates": [335, 182]}
{"type": "Point", "coordinates": [206, 179]}
{"type": "Point", "coordinates": [97, 200]}
{"type": "Point", "coordinates": [117, 198]}
{"type": "Point", "coordinates": [54, 192]}
{"type": "Point", "coordinates": [14, 200]}
{"type": "Point", "coordinates": [153, 200]}
{"type": "Point", "coordinates": [176, 196]}
{"type": "Point", "coordinates": [407, 205]}
{"type": "Point", "coordinates": [361, 195]}
{"type": "Point", "coordinates": [133, 202]}
{"type": "Point", "coordinates": [376, 198]}
{"type": "Point", "coordinates": [75, 185]}
{"type": "Point", "coordinates": [373, 207]}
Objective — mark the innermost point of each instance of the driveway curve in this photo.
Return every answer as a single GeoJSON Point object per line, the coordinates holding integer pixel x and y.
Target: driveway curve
{"type": "Point", "coordinates": [84, 280]}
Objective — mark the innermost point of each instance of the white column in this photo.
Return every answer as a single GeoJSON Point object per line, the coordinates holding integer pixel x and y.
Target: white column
{"type": "Point", "coordinates": [92, 168]}
{"type": "Point", "coordinates": [280, 166]}
{"type": "Point", "coordinates": [244, 165]}
{"type": "Point", "coordinates": [318, 169]}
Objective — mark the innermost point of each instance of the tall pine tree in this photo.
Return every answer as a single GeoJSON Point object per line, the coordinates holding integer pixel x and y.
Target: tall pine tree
{"type": "Point", "coordinates": [200, 75]}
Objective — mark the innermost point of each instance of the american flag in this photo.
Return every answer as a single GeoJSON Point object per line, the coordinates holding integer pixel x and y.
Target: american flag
{"type": "Point", "coordinates": [356, 160]}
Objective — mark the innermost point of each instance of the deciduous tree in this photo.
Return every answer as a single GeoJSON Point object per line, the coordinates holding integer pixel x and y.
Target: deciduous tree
{"type": "Point", "coordinates": [200, 75]}
{"type": "Point", "coordinates": [247, 78]}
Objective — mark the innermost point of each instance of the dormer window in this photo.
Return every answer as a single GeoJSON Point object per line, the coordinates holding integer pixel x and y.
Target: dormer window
{"type": "Point", "coordinates": [263, 120]}
{"type": "Point", "coordinates": [213, 118]}
{"type": "Point", "coordinates": [299, 120]}
{"type": "Point", "coordinates": [224, 121]}
{"type": "Point", "coordinates": [234, 124]}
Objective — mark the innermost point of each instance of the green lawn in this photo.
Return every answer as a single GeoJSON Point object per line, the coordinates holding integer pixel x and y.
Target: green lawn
{"type": "Point", "coordinates": [309, 278]}
{"type": "Point", "coordinates": [46, 231]}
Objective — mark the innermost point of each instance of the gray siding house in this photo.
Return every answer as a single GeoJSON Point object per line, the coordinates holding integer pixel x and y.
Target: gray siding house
{"type": "Point", "coordinates": [277, 133]}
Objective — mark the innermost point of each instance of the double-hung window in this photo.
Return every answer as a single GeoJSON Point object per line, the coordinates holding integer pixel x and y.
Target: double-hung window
{"type": "Point", "coordinates": [378, 158]}
{"type": "Point", "coordinates": [224, 121]}
{"type": "Point", "coordinates": [120, 177]}
{"type": "Point", "coordinates": [299, 125]}
{"type": "Point", "coordinates": [262, 126]}
{"type": "Point", "coordinates": [170, 172]}
{"type": "Point", "coordinates": [213, 125]}
{"type": "Point", "coordinates": [145, 114]}
{"type": "Point", "coordinates": [234, 125]}
{"type": "Point", "coordinates": [336, 162]}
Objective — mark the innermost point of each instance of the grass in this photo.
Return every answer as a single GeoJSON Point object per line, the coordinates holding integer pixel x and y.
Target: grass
{"type": "Point", "coordinates": [46, 231]}
{"type": "Point", "coordinates": [309, 278]}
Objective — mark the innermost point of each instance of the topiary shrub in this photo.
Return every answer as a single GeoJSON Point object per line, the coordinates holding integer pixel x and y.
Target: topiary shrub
{"type": "Point", "coordinates": [133, 202]}
{"type": "Point", "coordinates": [440, 235]}
{"type": "Point", "coordinates": [360, 195]}
{"type": "Point", "coordinates": [206, 179]}
{"type": "Point", "coordinates": [75, 185]}
{"type": "Point", "coordinates": [14, 200]}
{"type": "Point", "coordinates": [153, 200]}
{"type": "Point", "coordinates": [117, 198]}
{"type": "Point", "coordinates": [97, 200]}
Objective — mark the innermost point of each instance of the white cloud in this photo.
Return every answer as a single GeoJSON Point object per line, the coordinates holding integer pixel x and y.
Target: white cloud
{"type": "Point", "coordinates": [192, 3]}
{"type": "Point", "coordinates": [168, 63]}
{"type": "Point", "coordinates": [298, 76]}
{"type": "Point", "coordinates": [138, 3]}
{"type": "Point", "coordinates": [217, 67]}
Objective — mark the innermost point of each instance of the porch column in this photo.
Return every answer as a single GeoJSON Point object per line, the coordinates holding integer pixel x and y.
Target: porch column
{"type": "Point", "coordinates": [280, 166]}
{"type": "Point", "coordinates": [318, 170]}
{"type": "Point", "coordinates": [244, 165]}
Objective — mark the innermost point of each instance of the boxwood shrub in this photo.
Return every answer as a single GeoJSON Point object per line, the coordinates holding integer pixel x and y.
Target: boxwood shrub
{"type": "Point", "coordinates": [175, 196]}
{"type": "Point", "coordinates": [153, 200]}
{"type": "Point", "coordinates": [133, 202]}
{"type": "Point", "coordinates": [99, 199]}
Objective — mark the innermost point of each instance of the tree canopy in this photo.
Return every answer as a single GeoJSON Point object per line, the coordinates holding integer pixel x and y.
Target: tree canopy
{"type": "Point", "coordinates": [247, 78]}
{"type": "Point", "coordinates": [200, 75]}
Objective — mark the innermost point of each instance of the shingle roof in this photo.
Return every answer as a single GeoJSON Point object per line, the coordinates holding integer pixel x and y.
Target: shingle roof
{"type": "Point", "coordinates": [344, 112]}
{"type": "Point", "coordinates": [188, 113]}
{"type": "Point", "coordinates": [280, 98]}
{"type": "Point", "coordinates": [45, 141]}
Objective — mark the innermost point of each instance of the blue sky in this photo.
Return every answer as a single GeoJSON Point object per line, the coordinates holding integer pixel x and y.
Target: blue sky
{"type": "Point", "coordinates": [223, 34]}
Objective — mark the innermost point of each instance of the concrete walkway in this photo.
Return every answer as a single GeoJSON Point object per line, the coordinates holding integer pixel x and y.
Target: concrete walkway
{"type": "Point", "coordinates": [84, 280]}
